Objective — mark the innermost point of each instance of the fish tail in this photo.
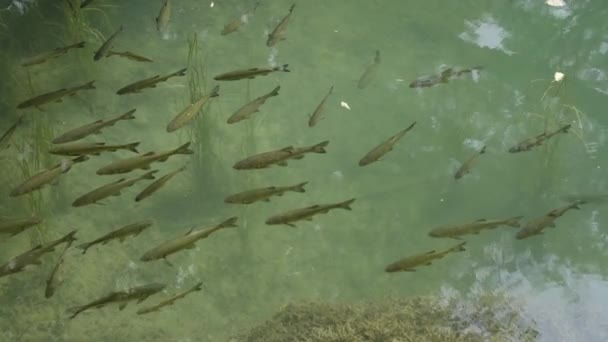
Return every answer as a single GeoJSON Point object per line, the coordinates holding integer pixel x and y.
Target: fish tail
{"type": "Point", "coordinates": [128, 115]}
{"type": "Point", "coordinates": [459, 247]}
{"type": "Point", "coordinates": [514, 221]}
{"type": "Point", "coordinates": [215, 91]}
{"type": "Point", "coordinates": [132, 147]}
{"type": "Point", "coordinates": [198, 287]}
{"type": "Point", "coordinates": [410, 127]}
{"type": "Point", "coordinates": [181, 72]}
{"type": "Point", "coordinates": [149, 175]}
{"type": "Point", "coordinates": [85, 247]}
{"type": "Point", "coordinates": [284, 67]}
{"type": "Point", "coordinates": [80, 45]}
{"type": "Point", "coordinates": [565, 128]}
{"type": "Point", "coordinates": [320, 147]}
{"type": "Point", "coordinates": [80, 159]}
{"type": "Point", "coordinates": [291, 8]}
{"type": "Point", "coordinates": [69, 237]}
{"type": "Point", "coordinates": [90, 85]}
{"type": "Point", "coordinates": [299, 187]}
{"type": "Point", "coordinates": [74, 311]}
{"type": "Point", "coordinates": [275, 91]}
{"type": "Point", "coordinates": [346, 204]}
{"type": "Point", "coordinates": [231, 222]}
{"type": "Point", "coordinates": [483, 150]}
{"type": "Point", "coordinates": [184, 149]}
{"type": "Point", "coordinates": [331, 89]}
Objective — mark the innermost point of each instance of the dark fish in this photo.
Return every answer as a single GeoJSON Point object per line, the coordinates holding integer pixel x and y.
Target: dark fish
{"type": "Point", "coordinates": [55, 279]}
{"type": "Point", "coordinates": [170, 301]}
{"type": "Point", "coordinates": [316, 115]}
{"type": "Point", "coordinates": [122, 298]}
{"type": "Point", "coordinates": [186, 241]}
{"type": "Point", "coordinates": [128, 55]}
{"type": "Point", "coordinates": [278, 157]}
{"type": "Point", "coordinates": [16, 226]}
{"type": "Point", "coordinates": [162, 21]}
{"type": "Point", "coordinates": [455, 231]}
{"type": "Point", "coordinates": [92, 128]}
{"type": "Point", "coordinates": [307, 213]}
{"type": "Point", "coordinates": [252, 107]}
{"type": "Point", "coordinates": [379, 151]}
{"type": "Point", "coordinates": [538, 140]}
{"type": "Point", "coordinates": [119, 234]}
{"type": "Point", "coordinates": [278, 33]}
{"type": "Point", "coordinates": [5, 140]}
{"type": "Point", "coordinates": [409, 264]}
{"type": "Point", "coordinates": [151, 82]}
{"type": "Point", "coordinates": [370, 72]}
{"type": "Point", "coordinates": [189, 113]}
{"type": "Point", "coordinates": [111, 189]}
{"type": "Point", "coordinates": [39, 59]}
{"type": "Point", "coordinates": [54, 96]}
{"type": "Point", "coordinates": [45, 177]}
{"type": "Point", "coordinates": [106, 46]}
{"type": "Point", "coordinates": [249, 73]}
{"type": "Point", "coordinates": [538, 225]}
{"type": "Point", "coordinates": [86, 148]}
{"type": "Point", "coordinates": [157, 184]}
{"type": "Point", "coordinates": [441, 77]}
{"type": "Point", "coordinates": [467, 165]}
{"type": "Point", "coordinates": [235, 24]}
{"type": "Point", "coordinates": [142, 161]}
{"type": "Point", "coordinates": [263, 194]}
{"type": "Point", "coordinates": [85, 3]}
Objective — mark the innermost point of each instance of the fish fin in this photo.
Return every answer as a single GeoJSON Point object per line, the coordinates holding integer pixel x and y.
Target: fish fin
{"type": "Point", "coordinates": [279, 194]}
{"type": "Point", "coordinates": [149, 175]}
{"type": "Point", "coordinates": [167, 261]}
{"type": "Point", "coordinates": [431, 252]}
{"type": "Point", "coordinates": [133, 147]}
{"type": "Point", "coordinates": [266, 200]}
{"type": "Point", "coordinates": [116, 193]}
{"type": "Point", "coordinates": [299, 187]}
{"type": "Point", "coordinates": [483, 150]}
{"type": "Point", "coordinates": [128, 115]}
{"type": "Point", "coordinates": [190, 246]}
{"type": "Point", "coordinates": [290, 224]}
{"type": "Point", "coordinates": [184, 149]}
{"type": "Point", "coordinates": [565, 128]}
{"type": "Point", "coordinates": [148, 154]}
{"type": "Point", "coordinates": [283, 163]}
{"type": "Point", "coordinates": [122, 306]}
{"type": "Point", "coordinates": [552, 225]}
{"type": "Point", "coordinates": [287, 149]}
{"type": "Point", "coordinates": [481, 220]}
{"type": "Point", "coordinates": [301, 156]}
{"type": "Point", "coordinates": [274, 92]}
{"type": "Point", "coordinates": [231, 222]}
{"type": "Point", "coordinates": [284, 68]}
{"type": "Point", "coordinates": [514, 222]}
{"type": "Point", "coordinates": [146, 167]}
{"type": "Point", "coordinates": [346, 204]}
{"type": "Point", "coordinates": [320, 147]}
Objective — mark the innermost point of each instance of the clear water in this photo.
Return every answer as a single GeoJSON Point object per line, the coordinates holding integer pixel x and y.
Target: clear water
{"type": "Point", "coordinates": [252, 271]}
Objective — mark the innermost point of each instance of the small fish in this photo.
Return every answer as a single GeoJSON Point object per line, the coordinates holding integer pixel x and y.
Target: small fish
{"type": "Point", "coordinates": [41, 58]}
{"type": "Point", "coordinates": [467, 165]}
{"type": "Point", "coordinates": [157, 184]}
{"type": "Point", "coordinates": [186, 241]}
{"type": "Point", "coordinates": [86, 3]}
{"type": "Point", "coordinates": [162, 21]}
{"type": "Point", "coordinates": [409, 264]}
{"type": "Point", "coordinates": [86, 148]}
{"type": "Point", "coordinates": [170, 301]}
{"type": "Point", "coordinates": [32, 257]}
{"type": "Point", "coordinates": [538, 140]}
{"type": "Point", "coordinates": [263, 194]}
{"type": "Point", "coordinates": [278, 157]}
{"type": "Point", "coordinates": [370, 72]}
{"type": "Point", "coordinates": [142, 161]}
{"type": "Point", "coordinates": [307, 213]}
{"type": "Point", "coordinates": [106, 46]}
{"type": "Point", "coordinates": [586, 198]}
{"type": "Point", "coordinates": [235, 24]}
{"type": "Point", "coordinates": [455, 231]}
{"type": "Point", "coordinates": [252, 107]}
{"type": "Point", "coordinates": [5, 139]}
{"type": "Point", "coordinates": [189, 114]}
{"type": "Point", "coordinates": [561, 211]}
{"type": "Point", "coordinates": [379, 151]}
{"type": "Point", "coordinates": [128, 55]}
{"type": "Point", "coordinates": [16, 226]}
{"type": "Point", "coordinates": [119, 234]}
{"type": "Point", "coordinates": [92, 128]}
{"type": "Point", "coordinates": [45, 177]}
{"type": "Point", "coordinates": [151, 82]}
{"type": "Point", "coordinates": [538, 225]}
{"type": "Point", "coordinates": [249, 73]}
{"type": "Point", "coordinates": [122, 298]}
{"type": "Point", "coordinates": [55, 279]}
{"type": "Point", "coordinates": [441, 77]}
{"type": "Point", "coordinates": [54, 96]}
{"type": "Point", "coordinates": [111, 189]}
{"type": "Point", "coordinates": [316, 115]}
{"type": "Point", "coordinates": [278, 33]}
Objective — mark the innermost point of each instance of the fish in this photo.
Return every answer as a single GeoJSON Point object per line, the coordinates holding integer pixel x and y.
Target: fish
{"type": "Point", "coordinates": [186, 241]}
{"type": "Point", "coordinates": [92, 128]}
{"type": "Point", "coordinates": [370, 72]}
{"type": "Point", "coordinates": [235, 24]}
{"type": "Point", "coordinates": [54, 96]}
{"type": "Point", "coordinates": [409, 264]}
{"type": "Point", "coordinates": [111, 189]}
{"type": "Point", "coordinates": [379, 151]}
{"type": "Point", "coordinates": [5, 139]}
{"type": "Point", "coordinates": [278, 33]}
{"type": "Point", "coordinates": [128, 55]}
{"type": "Point", "coordinates": [538, 225]}
{"type": "Point", "coordinates": [441, 77]}
{"type": "Point", "coordinates": [263, 194]}
{"type": "Point", "coordinates": [467, 165]}
{"type": "Point", "coordinates": [307, 213]}
{"type": "Point", "coordinates": [170, 301]}
{"type": "Point", "coordinates": [250, 73]}
{"type": "Point", "coordinates": [85, 3]}
{"type": "Point", "coordinates": [151, 82]}
{"type": "Point", "coordinates": [586, 198]}
{"type": "Point", "coordinates": [316, 115]}
{"type": "Point", "coordinates": [87, 148]}
{"type": "Point", "coordinates": [538, 140]}
{"type": "Point", "coordinates": [56, 52]}
{"type": "Point", "coordinates": [162, 21]}
{"type": "Point", "coordinates": [278, 157]}
{"type": "Point", "coordinates": [122, 298]}
{"type": "Point", "coordinates": [142, 161]}
{"type": "Point", "coordinates": [455, 231]}
{"type": "Point", "coordinates": [189, 113]}
{"type": "Point", "coordinates": [54, 279]}
{"type": "Point", "coordinates": [157, 184]}
{"type": "Point", "coordinates": [18, 263]}
{"type": "Point", "coordinates": [13, 227]}
{"type": "Point", "coordinates": [252, 107]}
{"type": "Point", "coordinates": [106, 46]}
{"type": "Point", "coordinates": [45, 177]}
{"type": "Point", "coordinates": [120, 234]}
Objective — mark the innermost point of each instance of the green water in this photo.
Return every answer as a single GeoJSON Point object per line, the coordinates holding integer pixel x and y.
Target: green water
{"type": "Point", "coordinates": [251, 272]}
